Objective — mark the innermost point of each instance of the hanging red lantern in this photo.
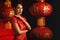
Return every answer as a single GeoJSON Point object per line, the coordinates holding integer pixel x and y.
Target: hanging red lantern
{"type": "Point", "coordinates": [40, 9]}
{"type": "Point", "coordinates": [6, 30]}
{"type": "Point", "coordinates": [8, 11]}
{"type": "Point", "coordinates": [41, 33]}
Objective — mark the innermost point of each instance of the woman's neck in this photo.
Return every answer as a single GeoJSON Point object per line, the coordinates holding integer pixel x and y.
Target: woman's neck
{"type": "Point", "coordinates": [19, 14]}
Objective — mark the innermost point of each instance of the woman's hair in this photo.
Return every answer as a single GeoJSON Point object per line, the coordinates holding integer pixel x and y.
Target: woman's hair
{"type": "Point", "coordinates": [15, 2]}
{"type": "Point", "coordinates": [19, 5]}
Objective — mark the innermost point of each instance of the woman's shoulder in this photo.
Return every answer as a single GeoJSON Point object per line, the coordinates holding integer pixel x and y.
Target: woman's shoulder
{"type": "Point", "coordinates": [14, 19]}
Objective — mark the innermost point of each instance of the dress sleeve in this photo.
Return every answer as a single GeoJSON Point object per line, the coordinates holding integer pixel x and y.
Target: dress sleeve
{"type": "Point", "coordinates": [14, 20]}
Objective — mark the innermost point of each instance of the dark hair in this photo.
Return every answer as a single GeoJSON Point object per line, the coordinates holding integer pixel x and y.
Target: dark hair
{"type": "Point", "coordinates": [15, 2]}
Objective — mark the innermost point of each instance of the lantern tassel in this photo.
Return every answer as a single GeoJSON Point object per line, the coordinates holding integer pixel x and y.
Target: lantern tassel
{"type": "Point", "coordinates": [41, 22]}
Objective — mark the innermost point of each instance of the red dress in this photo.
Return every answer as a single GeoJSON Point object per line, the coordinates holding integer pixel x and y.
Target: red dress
{"type": "Point", "coordinates": [22, 27]}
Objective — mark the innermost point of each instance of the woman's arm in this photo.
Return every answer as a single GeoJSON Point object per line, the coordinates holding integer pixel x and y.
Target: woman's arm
{"type": "Point", "coordinates": [26, 23]}
{"type": "Point", "coordinates": [19, 31]}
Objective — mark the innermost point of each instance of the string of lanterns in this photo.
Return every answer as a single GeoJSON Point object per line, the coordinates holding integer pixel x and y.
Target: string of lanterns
{"type": "Point", "coordinates": [41, 9]}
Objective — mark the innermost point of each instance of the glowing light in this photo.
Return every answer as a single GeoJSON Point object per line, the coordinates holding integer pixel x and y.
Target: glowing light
{"type": "Point", "coordinates": [46, 9]}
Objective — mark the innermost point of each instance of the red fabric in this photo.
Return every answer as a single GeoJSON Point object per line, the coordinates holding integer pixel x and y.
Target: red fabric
{"type": "Point", "coordinates": [7, 38]}
{"type": "Point", "coordinates": [22, 27]}
{"type": "Point", "coordinates": [21, 37]}
{"type": "Point", "coordinates": [5, 34]}
{"type": "Point", "coordinates": [8, 34]}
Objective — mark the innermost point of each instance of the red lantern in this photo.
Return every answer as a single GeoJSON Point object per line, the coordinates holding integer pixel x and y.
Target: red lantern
{"type": "Point", "coordinates": [40, 9]}
{"type": "Point", "coordinates": [6, 32]}
{"type": "Point", "coordinates": [8, 12]}
{"type": "Point", "coordinates": [41, 33]}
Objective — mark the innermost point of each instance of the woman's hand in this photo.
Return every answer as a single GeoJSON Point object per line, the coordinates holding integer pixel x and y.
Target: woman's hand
{"type": "Point", "coordinates": [26, 23]}
{"type": "Point", "coordinates": [18, 16]}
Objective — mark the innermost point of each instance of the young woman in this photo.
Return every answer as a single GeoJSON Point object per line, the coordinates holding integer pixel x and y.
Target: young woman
{"type": "Point", "coordinates": [20, 23]}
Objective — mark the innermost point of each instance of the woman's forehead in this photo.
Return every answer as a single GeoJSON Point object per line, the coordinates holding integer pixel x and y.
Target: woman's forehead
{"type": "Point", "coordinates": [19, 6]}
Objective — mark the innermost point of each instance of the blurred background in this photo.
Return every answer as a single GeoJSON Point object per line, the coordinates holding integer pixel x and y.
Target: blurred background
{"type": "Point", "coordinates": [52, 21]}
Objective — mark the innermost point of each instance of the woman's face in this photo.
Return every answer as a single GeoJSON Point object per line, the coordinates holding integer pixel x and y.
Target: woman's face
{"type": "Point", "coordinates": [19, 9]}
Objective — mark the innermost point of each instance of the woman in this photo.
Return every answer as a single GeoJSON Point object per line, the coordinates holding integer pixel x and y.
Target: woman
{"type": "Point", "coordinates": [20, 23]}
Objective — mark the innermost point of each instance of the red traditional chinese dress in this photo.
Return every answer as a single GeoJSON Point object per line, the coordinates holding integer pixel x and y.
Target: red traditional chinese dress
{"type": "Point", "coordinates": [22, 26]}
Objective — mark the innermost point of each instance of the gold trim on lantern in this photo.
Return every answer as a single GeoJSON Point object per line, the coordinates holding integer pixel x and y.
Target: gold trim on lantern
{"type": "Point", "coordinates": [36, 9]}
